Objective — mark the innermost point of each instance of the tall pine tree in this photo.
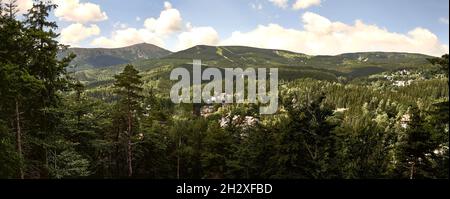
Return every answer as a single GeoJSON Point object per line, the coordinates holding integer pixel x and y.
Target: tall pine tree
{"type": "Point", "coordinates": [128, 84]}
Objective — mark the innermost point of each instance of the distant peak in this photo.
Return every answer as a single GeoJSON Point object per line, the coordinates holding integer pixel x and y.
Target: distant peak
{"type": "Point", "coordinates": [142, 44]}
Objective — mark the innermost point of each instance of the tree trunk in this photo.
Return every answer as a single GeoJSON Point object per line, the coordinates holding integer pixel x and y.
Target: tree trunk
{"type": "Point", "coordinates": [129, 152]}
{"type": "Point", "coordinates": [19, 140]}
{"type": "Point", "coordinates": [411, 175]}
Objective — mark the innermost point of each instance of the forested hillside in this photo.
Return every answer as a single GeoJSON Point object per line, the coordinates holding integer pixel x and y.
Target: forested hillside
{"type": "Point", "coordinates": [91, 58]}
{"type": "Point", "coordinates": [291, 65]}
{"type": "Point", "coordinates": [352, 116]}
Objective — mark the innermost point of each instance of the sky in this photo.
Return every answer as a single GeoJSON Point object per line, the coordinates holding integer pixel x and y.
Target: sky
{"type": "Point", "coordinates": [325, 27]}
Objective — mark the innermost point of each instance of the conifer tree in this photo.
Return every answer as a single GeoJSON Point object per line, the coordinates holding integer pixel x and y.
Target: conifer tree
{"type": "Point", "coordinates": [128, 84]}
{"type": "Point", "coordinates": [415, 148]}
{"type": "Point", "coordinates": [11, 9]}
{"type": "Point", "coordinates": [307, 141]}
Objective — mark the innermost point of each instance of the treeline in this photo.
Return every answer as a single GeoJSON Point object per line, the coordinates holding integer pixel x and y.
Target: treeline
{"type": "Point", "coordinates": [51, 126]}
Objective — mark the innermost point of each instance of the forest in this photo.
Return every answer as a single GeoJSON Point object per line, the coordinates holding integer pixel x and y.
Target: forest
{"type": "Point", "coordinates": [392, 124]}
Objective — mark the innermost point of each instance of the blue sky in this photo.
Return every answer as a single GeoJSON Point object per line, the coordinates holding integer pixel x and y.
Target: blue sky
{"type": "Point", "coordinates": [213, 22]}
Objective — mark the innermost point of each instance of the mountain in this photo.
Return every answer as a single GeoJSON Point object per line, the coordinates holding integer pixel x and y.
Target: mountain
{"type": "Point", "coordinates": [238, 56]}
{"type": "Point", "coordinates": [88, 58]}
{"type": "Point", "coordinates": [248, 56]}
{"type": "Point", "coordinates": [291, 65]}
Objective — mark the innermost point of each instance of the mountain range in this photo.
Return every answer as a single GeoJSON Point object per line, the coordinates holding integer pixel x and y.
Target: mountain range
{"type": "Point", "coordinates": [88, 58]}
{"type": "Point", "coordinates": [100, 64]}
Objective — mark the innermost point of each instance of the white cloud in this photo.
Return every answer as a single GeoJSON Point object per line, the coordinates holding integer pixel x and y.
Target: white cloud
{"type": "Point", "coordinates": [168, 22]}
{"type": "Point", "coordinates": [322, 36]}
{"type": "Point", "coordinates": [127, 37]}
{"type": "Point", "coordinates": [77, 32]}
{"type": "Point", "coordinates": [24, 5]}
{"type": "Point", "coordinates": [75, 11]}
{"type": "Point", "coordinates": [303, 4]}
{"type": "Point", "coordinates": [280, 3]}
{"type": "Point", "coordinates": [197, 36]}
{"type": "Point", "coordinates": [154, 30]}
{"type": "Point", "coordinates": [167, 5]}
{"type": "Point", "coordinates": [256, 6]}
{"type": "Point", "coordinates": [188, 25]}
{"type": "Point", "coordinates": [443, 20]}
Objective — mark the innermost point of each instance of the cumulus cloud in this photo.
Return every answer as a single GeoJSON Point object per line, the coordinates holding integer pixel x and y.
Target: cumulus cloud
{"type": "Point", "coordinates": [154, 30]}
{"type": "Point", "coordinates": [77, 32]}
{"type": "Point", "coordinates": [75, 11]}
{"type": "Point", "coordinates": [303, 4]}
{"type": "Point", "coordinates": [197, 36]}
{"type": "Point", "coordinates": [280, 3]}
{"type": "Point", "coordinates": [322, 36]}
{"type": "Point", "coordinates": [126, 37]}
{"type": "Point", "coordinates": [169, 21]}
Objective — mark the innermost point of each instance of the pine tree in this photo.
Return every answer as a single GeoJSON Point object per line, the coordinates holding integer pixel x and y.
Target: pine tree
{"type": "Point", "coordinates": [128, 84]}
{"type": "Point", "coordinates": [442, 107]}
{"type": "Point", "coordinates": [151, 153]}
{"type": "Point", "coordinates": [440, 122]}
{"type": "Point", "coordinates": [306, 141]}
{"type": "Point", "coordinates": [11, 9]}
{"type": "Point", "coordinates": [32, 74]}
{"type": "Point", "coordinates": [415, 148]}
{"type": "Point", "coordinates": [442, 62]}
{"type": "Point", "coordinates": [21, 85]}
{"type": "Point", "coordinates": [44, 63]}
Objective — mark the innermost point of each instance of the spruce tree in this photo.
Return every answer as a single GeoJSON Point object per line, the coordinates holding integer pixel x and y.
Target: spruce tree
{"type": "Point", "coordinates": [440, 121]}
{"type": "Point", "coordinates": [20, 84]}
{"type": "Point", "coordinates": [128, 84]}
{"type": "Point", "coordinates": [306, 140]}
{"type": "Point", "coordinates": [34, 75]}
{"type": "Point", "coordinates": [415, 148]}
{"type": "Point", "coordinates": [11, 9]}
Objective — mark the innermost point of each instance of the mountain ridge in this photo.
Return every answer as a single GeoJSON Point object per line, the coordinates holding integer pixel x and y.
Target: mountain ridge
{"type": "Point", "coordinates": [88, 58]}
{"type": "Point", "coordinates": [291, 65]}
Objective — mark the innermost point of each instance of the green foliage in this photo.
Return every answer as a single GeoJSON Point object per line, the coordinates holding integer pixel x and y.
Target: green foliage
{"type": "Point", "coordinates": [128, 87]}
{"type": "Point", "coordinates": [442, 62]}
{"type": "Point", "coordinates": [8, 156]}
{"type": "Point", "coordinates": [415, 148]}
{"type": "Point", "coordinates": [32, 78]}
{"type": "Point", "coordinates": [99, 58]}
{"type": "Point", "coordinates": [306, 141]}
{"type": "Point", "coordinates": [291, 65]}
{"type": "Point", "coordinates": [353, 116]}
{"type": "Point", "coordinates": [364, 151]}
{"type": "Point", "coordinates": [69, 164]}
